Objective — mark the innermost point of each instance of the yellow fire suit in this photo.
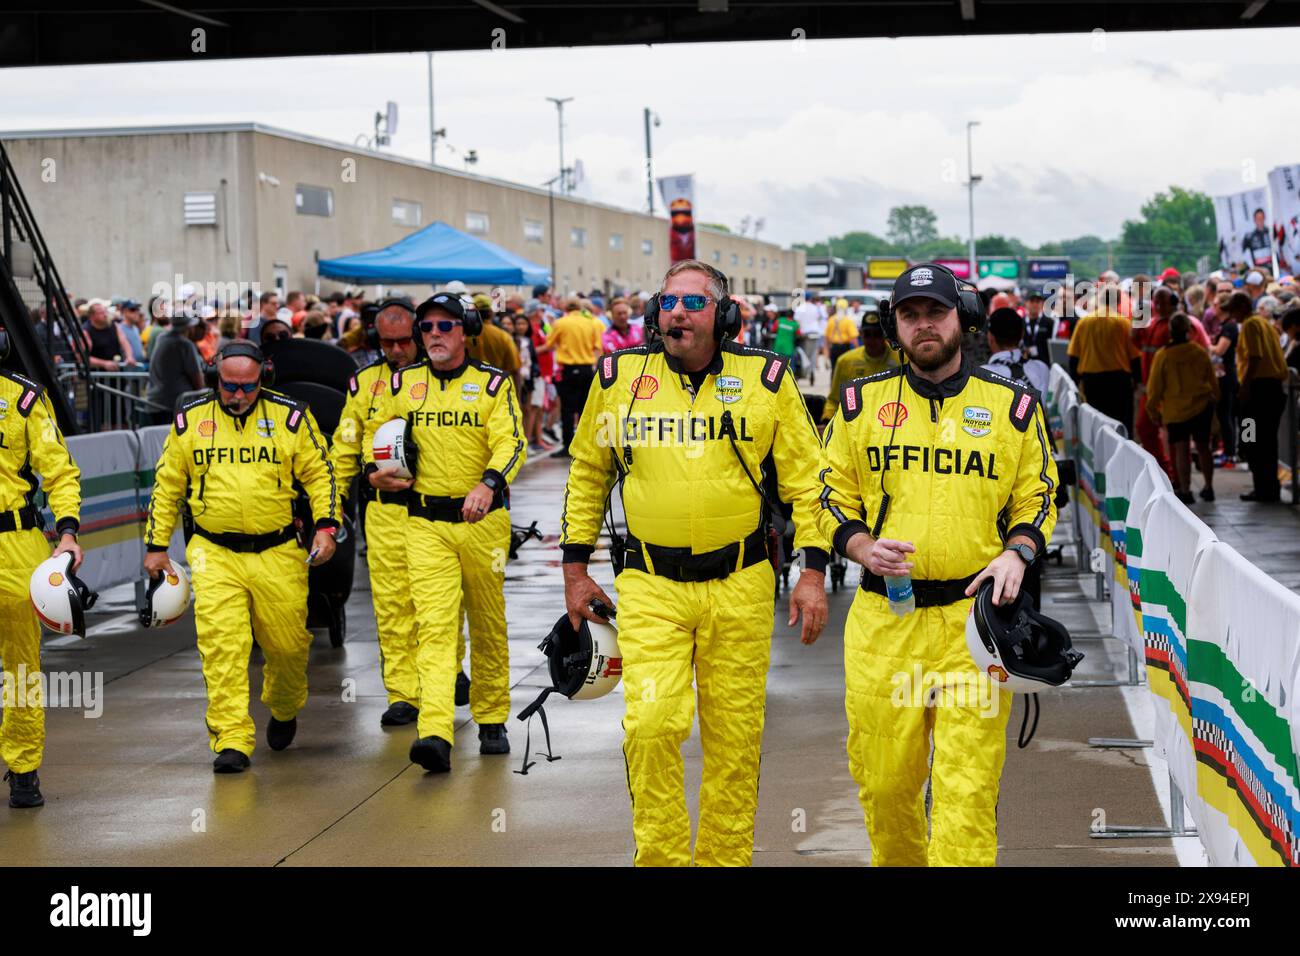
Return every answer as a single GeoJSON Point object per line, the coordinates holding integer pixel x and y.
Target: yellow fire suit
{"type": "Point", "coordinates": [969, 467]}
{"type": "Point", "coordinates": [30, 444]}
{"type": "Point", "coordinates": [466, 426]}
{"type": "Point", "coordinates": [685, 489]}
{"type": "Point", "coordinates": [386, 532]}
{"type": "Point", "coordinates": [237, 477]}
{"type": "Point", "coordinates": [855, 363]}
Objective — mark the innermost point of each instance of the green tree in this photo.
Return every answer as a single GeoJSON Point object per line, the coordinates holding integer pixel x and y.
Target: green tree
{"type": "Point", "coordinates": [1176, 229]}
{"type": "Point", "coordinates": [910, 226]}
{"type": "Point", "coordinates": [851, 245]}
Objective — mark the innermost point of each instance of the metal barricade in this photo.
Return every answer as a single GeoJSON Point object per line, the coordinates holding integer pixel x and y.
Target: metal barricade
{"type": "Point", "coordinates": [109, 401]}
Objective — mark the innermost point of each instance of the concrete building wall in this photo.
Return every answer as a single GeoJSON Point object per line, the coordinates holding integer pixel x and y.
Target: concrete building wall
{"type": "Point", "coordinates": [114, 222]}
{"type": "Point", "coordinates": [111, 208]}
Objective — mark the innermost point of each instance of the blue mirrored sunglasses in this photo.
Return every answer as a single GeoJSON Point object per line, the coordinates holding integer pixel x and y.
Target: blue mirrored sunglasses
{"type": "Point", "coordinates": [246, 387]}
{"type": "Point", "coordinates": [692, 302]}
{"type": "Point", "coordinates": [444, 325]}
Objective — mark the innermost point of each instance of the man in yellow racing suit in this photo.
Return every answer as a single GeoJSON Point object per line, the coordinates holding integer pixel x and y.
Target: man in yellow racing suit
{"type": "Point", "coordinates": [30, 445]}
{"type": "Point", "coordinates": [692, 425]}
{"type": "Point", "coordinates": [465, 423]}
{"type": "Point", "coordinates": [872, 356]}
{"type": "Point", "coordinates": [233, 457]}
{"type": "Point", "coordinates": [965, 459]}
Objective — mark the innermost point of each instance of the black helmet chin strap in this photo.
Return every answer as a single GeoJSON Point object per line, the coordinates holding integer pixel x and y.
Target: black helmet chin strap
{"type": "Point", "coordinates": [527, 714]}
{"type": "Point", "coordinates": [1021, 740]}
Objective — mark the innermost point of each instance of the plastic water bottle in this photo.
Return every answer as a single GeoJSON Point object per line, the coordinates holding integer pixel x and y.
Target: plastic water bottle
{"type": "Point", "coordinates": [899, 592]}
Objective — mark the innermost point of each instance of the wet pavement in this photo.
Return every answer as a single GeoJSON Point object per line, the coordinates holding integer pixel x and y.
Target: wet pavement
{"type": "Point", "coordinates": [134, 785]}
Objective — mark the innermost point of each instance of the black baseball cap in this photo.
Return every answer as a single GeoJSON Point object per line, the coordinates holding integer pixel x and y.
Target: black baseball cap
{"type": "Point", "coordinates": [447, 302]}
{"type": "Point", "coordinates": [927, 281]}
{"type": "Point", "coordinates": [398, 301]}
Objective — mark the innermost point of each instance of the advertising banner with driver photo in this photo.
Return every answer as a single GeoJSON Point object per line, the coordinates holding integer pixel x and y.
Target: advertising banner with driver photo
{"type": "Point", "coordinates": [1242, 224]}
{"type": "Point", "coordinates": [678, 193]}
{"type": "Point", "coordinates": [1284, 184]}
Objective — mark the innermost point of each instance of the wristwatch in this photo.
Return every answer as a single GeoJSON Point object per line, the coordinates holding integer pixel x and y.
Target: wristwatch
{"type": "Point", "coordinates": [493, 482]}
{"type": "Point", "coordinates": [1025, 552]}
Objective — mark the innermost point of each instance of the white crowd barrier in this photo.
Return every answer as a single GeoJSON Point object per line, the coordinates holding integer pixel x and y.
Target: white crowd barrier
{"type": "Point", "coordinates": [1220, 640]}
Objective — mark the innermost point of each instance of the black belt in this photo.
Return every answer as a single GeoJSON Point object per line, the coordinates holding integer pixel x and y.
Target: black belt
{"type": "Point", "coordinates": [433, 508]}
{"type": "Point", "coordinates": [927, 593]}
{"type": "Point", "coordinates": [681, 564]}
{"type": "Point", "coordinates": [370, 493]}
{"type": "Point", "coordinates": [27, 518]}
{"type": "Point", "coordinates": [248, 543]}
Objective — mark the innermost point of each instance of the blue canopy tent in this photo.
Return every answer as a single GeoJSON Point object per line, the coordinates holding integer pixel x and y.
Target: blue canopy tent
{"type": "Point", "coordinates": [437, 253]}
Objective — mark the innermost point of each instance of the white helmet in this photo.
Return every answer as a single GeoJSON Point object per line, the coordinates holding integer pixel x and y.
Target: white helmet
{"type": "Point", "coordinates": [1019, 649]}
{"type": "Point", "coordinates": [60, 597]}
{"type": "Point", "coordinates": [393, 449]}
{"type": "Point", "coordinates": [166, 598]}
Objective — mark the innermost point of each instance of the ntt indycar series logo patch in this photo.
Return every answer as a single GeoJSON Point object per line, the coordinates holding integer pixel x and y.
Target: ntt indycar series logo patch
{"type": "Point", "coordinates": [976, 421]}
{"type": "Point", "coordinates": [727, 389]}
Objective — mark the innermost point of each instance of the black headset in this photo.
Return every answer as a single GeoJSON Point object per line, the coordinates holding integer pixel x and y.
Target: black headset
{"type": "Point", "coordinates": [971, 313]}
{"type": "Point", "coordinates": [239, 348]}
{"type": "Point", "coordinates": [726, 313]}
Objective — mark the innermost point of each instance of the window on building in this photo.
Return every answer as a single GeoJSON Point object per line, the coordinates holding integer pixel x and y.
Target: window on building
{"type": "Point", "coordinates": [764, 262]}
{"type": "Point", "coordinates": [476, 222]}
{"type": "Point", "coordinates": [717, 255]}
{"type": "Point", "coordinates": [616, 240]}
{"type": "Point", "coordinates": [751, 262]}
{"type": "Point", "coordinates": [201, 209]}
{"type": "Point", "coordinates": [735, 259]}
{"type": "Point", "coordinates": [313, 200]}
{"type": "Point", "coordinates": [647, 247]}
{"type": "Point", "coordinates": [407, 212]}
{"type": "Point", "coordinates": [533, 230]}
{"type": "Point", "coordinates": [577, 236]}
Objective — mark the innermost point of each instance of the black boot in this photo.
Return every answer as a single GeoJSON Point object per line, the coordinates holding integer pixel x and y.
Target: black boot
{"type": "Point", "coordinates": [432, 753]}
{"type": "Point", "coordinates": [399, 714]}
{"type": "Point", "coordinates": [24, 789]}
{"type": "Point", "coordinates": [230, 761]}
{"type": "Point", "coordinates": [492, 739]}
{"type": "Point", "coordinates": [462, 689]}
{"type": "Point", "coordinates": [279, 733]}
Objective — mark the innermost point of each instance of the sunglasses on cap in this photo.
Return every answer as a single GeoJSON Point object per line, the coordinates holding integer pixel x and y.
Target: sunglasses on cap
{"type": "Point", "coordinates": [691, 302]}
{"type": "Point", "coordinates": [246, 387]}
{"type": "Point", "coordinates": [443, 325]}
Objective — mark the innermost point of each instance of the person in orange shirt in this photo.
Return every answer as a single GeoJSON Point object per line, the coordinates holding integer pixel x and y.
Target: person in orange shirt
{"type": "Point", "coordinates": [1104, 360]}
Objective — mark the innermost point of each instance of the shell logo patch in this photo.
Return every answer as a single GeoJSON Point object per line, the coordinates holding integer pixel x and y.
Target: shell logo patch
{"type": "Point", "coordinates": [892, 414]}
{"type": "Point", "coordinates": [976, 421]}
{"type": "Point", "coordinates": [55, 579]}
{"type": "Point", "coordinates": [419, 390]}
{"type": "Point", "coordinates": [173, 580]}
{"type": "Point", "coordinates": [207, 428]}
{"type": "Point", "coordinates": [998, 673]}
{"type": "Point", "coordinates": [470, 391]}
{"type": "Point", "coordinates": [265, 427]}
{"type": "Point", "coordinates": [377, 387]}
{"type": "Point", "coordinates": [726, 389]}
{"type": "Point", "coordinates": [644, 387]}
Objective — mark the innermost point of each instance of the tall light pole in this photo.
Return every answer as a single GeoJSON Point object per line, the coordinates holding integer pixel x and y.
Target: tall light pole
{"type": "Point", "coordinates": [971, 180]}
{"type": "Point", "coordinates": [433, 129]}
{"type": "Point", "coordinates": [559, 108]}
{"type": "Point", "coordinates": [649, 173]}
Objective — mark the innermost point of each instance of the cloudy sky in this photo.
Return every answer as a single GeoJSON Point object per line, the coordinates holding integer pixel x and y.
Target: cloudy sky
{"type": "Point", "coordinates": [817, 137]}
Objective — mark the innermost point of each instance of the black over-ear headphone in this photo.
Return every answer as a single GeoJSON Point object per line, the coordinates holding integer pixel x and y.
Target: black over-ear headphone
{"type": "Point", "coordinates": [726, 313]}
{"type": "Point", "coordinates": [970, 309]}
{"type": "Point", "coordinates": [239, 348]}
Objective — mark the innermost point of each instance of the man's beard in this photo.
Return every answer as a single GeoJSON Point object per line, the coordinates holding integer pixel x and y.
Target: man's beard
{"type": "Point", "coordinates": [949, 349]}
